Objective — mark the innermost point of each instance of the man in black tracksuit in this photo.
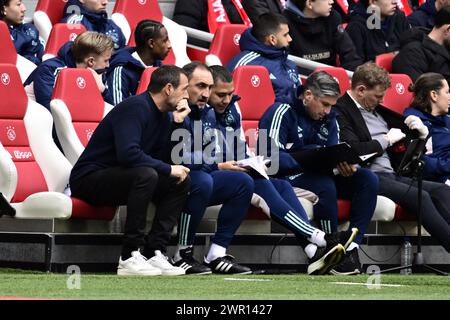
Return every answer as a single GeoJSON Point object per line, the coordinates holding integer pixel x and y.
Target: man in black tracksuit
{"type": "Point", "coordinates": [371, 42]}
{"type": "Point", "coordinates": [421, 52]}
{"type": "Point", "coordinates": [317, 35]}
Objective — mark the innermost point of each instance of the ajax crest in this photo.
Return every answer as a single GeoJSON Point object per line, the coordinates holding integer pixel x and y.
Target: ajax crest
{"type": "Point", "coordinates": [255, 81]}
{"type": "Point", "coordinates": [400, 88]}
{"type": "Point", "coordinates": [81, 83]}
{"type": "Point", "coordinates": [236, 39]}
{"type": "Point", "coordinates": [5, 78]}
{"type": "Point", "coordinates": [10, 133]}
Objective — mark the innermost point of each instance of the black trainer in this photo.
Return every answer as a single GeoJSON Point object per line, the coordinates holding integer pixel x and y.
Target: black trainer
{"type": "Point", "coordinates": [326, 258]}
{"type": "Point", "coordinates": [350, 264]}
{"type": "Point", "coordinates": [342, 237]}
{"type": "Point", "coordinates": [189, 264]}
{"type": "Point", "coordinates": [226, 265]}
{"type": "Point", "coordinates": [5, 207]}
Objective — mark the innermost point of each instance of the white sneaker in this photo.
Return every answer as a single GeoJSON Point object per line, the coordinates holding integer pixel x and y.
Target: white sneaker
{"type": "Point", "coordinates": [136, 265]}
{"type": "Point", "coordinates": [161, 262]}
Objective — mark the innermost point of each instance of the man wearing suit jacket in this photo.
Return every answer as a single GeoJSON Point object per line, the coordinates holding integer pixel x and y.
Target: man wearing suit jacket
{"type": "Point", "coordinates": [371, 128]}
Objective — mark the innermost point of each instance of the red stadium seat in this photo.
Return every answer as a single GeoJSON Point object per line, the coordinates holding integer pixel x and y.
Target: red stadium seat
{"type": "Point", "coordinates": [225, 44]}
{"type": "Point", "coordinates": [145, 80]}
{"type": "Point", "coordinates": [34, 172]}
{"type": "Point", "coordinates": [9, 54]}
{"type": "Point", "coordinates": [253, 85]}
{"type": "Point", "coordinates": [60, 34]}
{"type": "Point", "coordinates": [340, 75]}
{"type": "Point", "coordinates": [46, 14]}
{"type": "Point", "coordinates": [385, 60]}
{"type": "Point", "coordinates": [397, 97]}
{"type": "Point", "coordinates": [128, 13]}
{"type": "Point", "coordinates": [75, 118]}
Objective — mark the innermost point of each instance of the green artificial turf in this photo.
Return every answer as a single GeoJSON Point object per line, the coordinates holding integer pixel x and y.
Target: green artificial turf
{"type": "Point", "coordinates": [17, 283]}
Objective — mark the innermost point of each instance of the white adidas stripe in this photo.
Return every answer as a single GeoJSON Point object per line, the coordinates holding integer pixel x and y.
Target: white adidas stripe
{"type": "Point", "coordinates": [310, 230]}
{"type": "Point", "coordinates": [276, 123]}
{"type": "Point", "coordinates": [298, 226]}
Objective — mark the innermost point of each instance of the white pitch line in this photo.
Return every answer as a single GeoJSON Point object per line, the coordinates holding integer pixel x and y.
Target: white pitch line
{"type": "Point", "coordinates": [368, 284]}
{"type": "Point", "coordinates": [239, 279]}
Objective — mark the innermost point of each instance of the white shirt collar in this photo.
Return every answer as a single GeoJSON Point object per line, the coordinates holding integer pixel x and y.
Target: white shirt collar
{"type": "Point", "coordinates": [138, 58]}
{"type": "Point", "coordinates": [356, 102]}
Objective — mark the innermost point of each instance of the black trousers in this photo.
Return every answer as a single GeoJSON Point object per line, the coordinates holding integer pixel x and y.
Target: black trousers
{"type": "Point", "coordinates": [135, 188]}
{"type": "Point", "coordinates": [435, 203]}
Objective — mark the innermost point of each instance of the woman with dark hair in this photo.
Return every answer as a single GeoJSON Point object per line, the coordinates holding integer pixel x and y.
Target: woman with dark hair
{"type": "Point", "coordinates": [431, 105]}
{"type": "Point", "coordinates": [24, 35]}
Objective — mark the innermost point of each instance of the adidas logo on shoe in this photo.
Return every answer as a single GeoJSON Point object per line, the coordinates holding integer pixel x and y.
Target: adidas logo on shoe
{"type": "Point", "coordinates": [226, 265]}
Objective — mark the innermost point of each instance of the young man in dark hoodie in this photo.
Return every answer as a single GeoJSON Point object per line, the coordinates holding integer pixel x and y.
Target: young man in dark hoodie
{"type": "Point", "coordinates": [92, 14]}
{"type": "Point", "coordinates": [317, 34]}
{"type": "Point", "coordinates": [126, 67]}
{"type": "Point", "coordinates": [24, 35]}
{"type": "Point", "coordinates": [266, 44]}
{"type": "Point", "coordinates": [91, 50]}
{"type": "Point", "coordinates": [421, 52]}
{"type": "Point", "coordinates": [424, 15]}
{"type": "Point", "coordinates": [375, 34]}
{"type": "Point", "coordinates": [128, 162]}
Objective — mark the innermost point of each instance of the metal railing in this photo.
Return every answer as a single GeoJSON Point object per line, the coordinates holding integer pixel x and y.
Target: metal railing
{"type": "Point", "coordinates": [303, 63]}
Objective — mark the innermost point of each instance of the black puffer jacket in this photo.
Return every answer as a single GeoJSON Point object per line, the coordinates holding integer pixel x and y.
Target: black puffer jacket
{"type": "Point", "coordinates": [372, 42]}
{"type": "Point", "coordinates": [420, 54]}
{"type": "Point", "coordinates": [194, 13]}
{"type": "Point", "coordinates": [321, 40]}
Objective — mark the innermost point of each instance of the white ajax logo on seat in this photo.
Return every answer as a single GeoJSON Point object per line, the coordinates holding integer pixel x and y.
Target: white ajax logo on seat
{"type": "Point", "coordinates": [142, 1]}
{"type": "Point", "coordinates": [5, 78]}
{"type": "Point", "coordinates": [255, 81]}
{"type": "Point", "coordinates": [89, 133]}
{"type": "Point", "coordinates": [72, 36]}
{"type": "Point", "coordinates": [236, 39]}
{"type": "Point", "coordinates": [10, 133]}
{"type": "Point", "coordinates": [81, 83]}
{"type": "Point", "coordinates": [400, 88]}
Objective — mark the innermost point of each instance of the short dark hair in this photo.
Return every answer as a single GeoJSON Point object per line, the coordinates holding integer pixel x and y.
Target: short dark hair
{"type": "Point", "coordinates": [267, 24]}
{"type": "Point", "coordinates": [442, 17]}
{"type": "Point", "coordinates": [3, 4]}
{"type": "Point", "coordinates": [426, 83]}
{"type": "Point", "coordinates": [322, 84]}
{"type": "Point", "coordinates": [163, 75]}
{"type": "Point", "coordinates": [220, 73]}
{"type": "Point", "coordinates": [371, 75]}
{"type": "Point", "coordinates": [145, 30]}
{"type": "Point", "coordinates": [192, 66]}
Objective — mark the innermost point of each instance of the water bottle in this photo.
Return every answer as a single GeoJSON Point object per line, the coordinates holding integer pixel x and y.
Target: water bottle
{"type": "Point", "coordinates": [406, 257]}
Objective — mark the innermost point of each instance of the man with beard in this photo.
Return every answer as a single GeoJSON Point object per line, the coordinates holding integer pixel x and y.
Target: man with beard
{"type": "Point", "coordinates": [92, 14]}
{"type": "Point", "coordinates": [128, 64]}
{"type": "Point", "coordinates": [421, 52]}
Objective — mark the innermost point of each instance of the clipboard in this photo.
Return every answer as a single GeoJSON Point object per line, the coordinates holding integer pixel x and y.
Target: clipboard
{"type": "Point", "coordinates": [325, 159]}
